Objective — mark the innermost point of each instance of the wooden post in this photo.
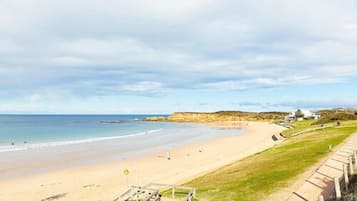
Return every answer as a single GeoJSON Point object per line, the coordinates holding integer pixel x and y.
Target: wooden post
{"type": "Point", "coordinates": [321, 198]}
{"type": "Point", "coordinates": [329, 147]}
{"type": "Point", "coordinates": [337, 189]}
{"type": "Point", "coordinates": [345, 174]}
{"type": "Point", "coordinates": [173, 192]}
{"type": "Point", "coordinates": [350, 165]}
{"type": "Point", "coordinates": [355, 158]}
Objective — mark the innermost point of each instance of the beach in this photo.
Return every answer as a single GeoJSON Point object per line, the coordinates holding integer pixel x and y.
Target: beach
{"type": "Point", "coordinates": [106, 180]}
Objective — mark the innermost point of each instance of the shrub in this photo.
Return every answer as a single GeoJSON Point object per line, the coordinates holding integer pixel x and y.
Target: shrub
{"type": "Point", "coordinates": [335, 117]}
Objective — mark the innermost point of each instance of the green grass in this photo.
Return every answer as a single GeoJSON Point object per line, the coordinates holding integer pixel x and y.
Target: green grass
{"type": "Point", "coordinates": [306, 125]}
{"type": "Point", "coordinates": [299, 126]}
{"type": "Point", "coordinates": [257, 176]}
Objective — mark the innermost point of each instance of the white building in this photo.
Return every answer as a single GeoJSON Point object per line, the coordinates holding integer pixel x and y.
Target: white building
{"type": "Point", "coordinates": [307, 115]}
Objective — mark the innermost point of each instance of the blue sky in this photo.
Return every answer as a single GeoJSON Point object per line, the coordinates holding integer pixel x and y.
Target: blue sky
{"type": "Point", "coordinates": [162, 56]}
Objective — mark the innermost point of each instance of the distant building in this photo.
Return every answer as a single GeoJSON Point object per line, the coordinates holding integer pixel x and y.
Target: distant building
{"type": "Point", "coordinates": [307, 115]}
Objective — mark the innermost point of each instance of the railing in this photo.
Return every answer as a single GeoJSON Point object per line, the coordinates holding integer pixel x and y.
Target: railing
{"type": "Point", "coordinates": [150, 192]}
{"type": "Point", "coordinates": [139, 193]}
{"type": "Point", "coordinates": [341, 184]}
{"type": "Point", "coordinates": [190, 195]}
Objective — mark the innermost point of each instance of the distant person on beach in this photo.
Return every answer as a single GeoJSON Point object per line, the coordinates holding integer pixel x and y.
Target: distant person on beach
{"type": "Point", "coordinates": [168, 155]}
{"type": "Point", "coordinates": [12, 143]}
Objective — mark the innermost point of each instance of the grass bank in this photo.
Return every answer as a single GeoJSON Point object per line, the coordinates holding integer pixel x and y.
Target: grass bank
{"type": "Point", "coordinates": [257, 176]}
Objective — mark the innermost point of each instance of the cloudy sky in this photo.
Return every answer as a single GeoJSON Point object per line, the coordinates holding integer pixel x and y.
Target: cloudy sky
{"type": "Point", "coordinates": [161, 56]}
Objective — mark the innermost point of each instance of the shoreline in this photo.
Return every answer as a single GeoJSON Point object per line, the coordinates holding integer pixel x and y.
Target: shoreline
{"type": "Point", "coordinates": [106, 181]}
{"type": "Point", "coordinates": [29, 146]}
{"type": "Point", "coordinates": [53, 158]}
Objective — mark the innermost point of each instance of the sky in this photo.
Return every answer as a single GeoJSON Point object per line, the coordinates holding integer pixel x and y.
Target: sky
{"type": "Point", "coordinates": [162, 56]}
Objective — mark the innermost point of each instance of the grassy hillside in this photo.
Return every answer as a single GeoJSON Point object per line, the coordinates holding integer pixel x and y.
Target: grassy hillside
{"type": "Point", "coordinates": [255, 177]}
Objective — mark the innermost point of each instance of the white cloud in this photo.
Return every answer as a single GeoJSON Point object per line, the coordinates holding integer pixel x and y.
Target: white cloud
{"type": "Point", "coordinates": [268, 82]}
{"type": "Point", "coordinates": [93, 47]}
{"type": "Point", "coordinates": [319, 104]}
{"type": "Point", "coordinates": [33, 98]}
{"type": "Point", "coordinates": [145, 87]}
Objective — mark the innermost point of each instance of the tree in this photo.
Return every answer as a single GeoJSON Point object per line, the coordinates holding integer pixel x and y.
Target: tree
{"type": "Point", "coordinates": [299, 114]}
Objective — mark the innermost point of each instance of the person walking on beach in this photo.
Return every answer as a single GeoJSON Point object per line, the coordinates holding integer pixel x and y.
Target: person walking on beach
{"type": "Point", "coordinates": [168, 155]}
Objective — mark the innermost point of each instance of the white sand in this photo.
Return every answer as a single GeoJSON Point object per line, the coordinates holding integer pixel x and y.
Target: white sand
{"type": "Point", "coordinates": [107, 181]}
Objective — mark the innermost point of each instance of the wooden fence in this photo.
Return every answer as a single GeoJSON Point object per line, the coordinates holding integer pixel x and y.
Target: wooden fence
{"type": "Point", "coordinates": [150, 192]}
{"type": "Point", "coordinates": [341, 184]}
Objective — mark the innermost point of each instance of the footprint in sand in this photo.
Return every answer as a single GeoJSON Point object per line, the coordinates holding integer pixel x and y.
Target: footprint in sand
{"type": "Point", "coordinates": [52, 184]}
{"type": "Point", "coordinates": [55, 197]}
{"type": "Point", "coordinates": [92, 186]}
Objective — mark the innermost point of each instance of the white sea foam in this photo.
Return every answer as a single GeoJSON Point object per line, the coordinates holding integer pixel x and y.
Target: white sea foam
{"type": "Point", "coordinates": [27, 146]}
{"type": "Point", "coordinates": [11, 148]}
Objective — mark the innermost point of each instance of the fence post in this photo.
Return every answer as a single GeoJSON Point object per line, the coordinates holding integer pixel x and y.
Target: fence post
{"type": "Point", "coordinates": [350, 165]}
{"type": "Point", "coordinates": [345, 176]}
{"type": "Point", "coordinates": [321, 198]}
{"type": "Point", "coordinates": [355, 158]}
{"type": "Point", "coordinates": [173, 192]}
{"type": "Point", "coordinates": [337, 189]}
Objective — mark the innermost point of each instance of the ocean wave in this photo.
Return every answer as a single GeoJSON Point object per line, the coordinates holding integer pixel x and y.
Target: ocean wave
{"type": "Point", "coordinates": [27, 146]}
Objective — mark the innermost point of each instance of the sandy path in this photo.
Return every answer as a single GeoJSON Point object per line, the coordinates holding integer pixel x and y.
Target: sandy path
{"type": "Point", "coordinates": [106, 181]}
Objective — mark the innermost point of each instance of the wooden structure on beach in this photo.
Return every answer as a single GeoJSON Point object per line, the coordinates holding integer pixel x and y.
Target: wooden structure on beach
{"type": "Point", "coordinates": [151, 192]}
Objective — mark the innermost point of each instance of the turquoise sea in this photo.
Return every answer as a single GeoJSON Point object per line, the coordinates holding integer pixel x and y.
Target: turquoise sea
{"type": "Point", "coordinates": [20, 132]}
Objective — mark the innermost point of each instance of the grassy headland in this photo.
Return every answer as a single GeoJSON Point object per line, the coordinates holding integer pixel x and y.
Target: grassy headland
{"type": "Point", "coordinates": [220, 116]}
{"type": "Point", "coordinates": [257, 176]}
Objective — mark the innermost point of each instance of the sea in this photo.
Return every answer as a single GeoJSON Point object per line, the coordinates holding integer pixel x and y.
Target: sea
{"type": "Point", "coordinates": [23, 132]}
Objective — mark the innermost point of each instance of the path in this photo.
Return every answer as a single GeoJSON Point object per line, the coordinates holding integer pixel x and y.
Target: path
{"type": "Point", "coordinates": [321, 182]}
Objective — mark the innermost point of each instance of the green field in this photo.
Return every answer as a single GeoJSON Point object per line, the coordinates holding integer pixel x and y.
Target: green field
{"type": "Point", "coordinates": [257, 176]}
